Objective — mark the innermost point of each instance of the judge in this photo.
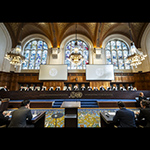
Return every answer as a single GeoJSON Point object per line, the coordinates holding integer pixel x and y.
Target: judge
{"type": "Point", "coordinates": [50, 88]}
{"type": "Point", "coordinates": [102, 88]}
{"type": "Point", "coordinates": [22, 88]}
{"type": "Point", "coordinates": [76, 88]}
{"type": "Point", "coordinates": [83, 88]}
{"type": "Point", "coordinates": [89, 88]}
{"type": "Point", "coordinates": [43, 88]}
{"type": "Point", "coordinates": [57, 88]}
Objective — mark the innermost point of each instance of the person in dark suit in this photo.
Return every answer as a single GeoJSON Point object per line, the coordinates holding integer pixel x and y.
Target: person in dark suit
{"type": "Point", "coordinates": [144, 113]}
{"type": "Point", "coordinates": [57, 88]}
{"type": "Point", "coordinates": [83, 88]}
{"type": "Point", "coordinates": [21, 88]}
{"type": "Point", "coordinates": [4, 118]}
{"type": "Point", "coordinates": [102, 88]}
{"type": "Point", "coordinates": [125, 117]}
{"type": "Point", "coordinates": [20, 116]}
{"type": "Point", "coordinates": [140, 98]}
{"type": "Point", "coordinates": [4, 88]}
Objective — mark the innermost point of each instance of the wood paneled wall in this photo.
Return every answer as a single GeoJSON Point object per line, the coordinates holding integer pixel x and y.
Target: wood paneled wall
{"type": "Point", "coordinates": [12, 80]}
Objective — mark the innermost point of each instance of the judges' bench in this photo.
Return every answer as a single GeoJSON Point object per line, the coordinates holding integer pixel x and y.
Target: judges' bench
{"type": "Point", "coordinates": [45, 99]}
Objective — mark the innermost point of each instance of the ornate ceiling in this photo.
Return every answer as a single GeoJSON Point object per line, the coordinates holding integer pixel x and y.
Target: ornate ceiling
{"type": "Point", "coordinates": [56, 32]}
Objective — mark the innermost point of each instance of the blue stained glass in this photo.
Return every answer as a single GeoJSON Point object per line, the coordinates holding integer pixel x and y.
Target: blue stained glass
{"type": "Point", "coordinates": [121, 64]}
{"type": "Point", "coordinates": [120, 55]}
{"type": "Point", "coordinates": [32, 58]}
{"type": "Point", "coordinates": [40, 44]}
{"type": "Point", "coordinates": [45, 45]}
{"type": "Point", "coordinates": [108, 46]}
{"type": "Point", "coordinates": [28, 46]}
{"type": "Point", "coordinates": [34, 44]}
{"type": "Point", "coordinates": [113, 45]}
{"type": "Point", "coordinates": [26, 54]}
{"type": "Point", "coordinates": [124, 46]}
{"type": "Point", "coordinates": [118, 44]}
{"type": "Point", "coordinates": [44, 57]}
{"type": "Point", "coordinates": [38, 60]}
{"type": "Point", "coordinates": [25, 65]}
{"type": "Point", "coordinates": [125, 54]}
{"type": "Point", "coordinates": [116, 53]}
{"type": "Point", "coordinates": [38, 49]}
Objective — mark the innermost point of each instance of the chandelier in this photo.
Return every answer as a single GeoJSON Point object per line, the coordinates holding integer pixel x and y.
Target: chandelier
{"type": "Point", "coordinates": [135, 57]}
{"type": "Point", "coordinates": [15, 57]}
{"type": "Point", "coordinates": [76, 57]}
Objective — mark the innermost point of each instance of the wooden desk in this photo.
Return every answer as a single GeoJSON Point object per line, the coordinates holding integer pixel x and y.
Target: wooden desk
{"type": "Point", "coordinates": [38, 121]}
{"type": "Point", "coordinates": [106, 120]}
{"type": "Point", "coordinates": [71, 113]}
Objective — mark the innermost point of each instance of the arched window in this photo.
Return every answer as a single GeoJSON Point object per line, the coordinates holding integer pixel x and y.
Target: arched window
{"type": "Point", "coordinates": [35, 53]}
{"type": "Point", "coordinates": [83, 49]}
{"type": "Point", "coordinates": [116, 54]}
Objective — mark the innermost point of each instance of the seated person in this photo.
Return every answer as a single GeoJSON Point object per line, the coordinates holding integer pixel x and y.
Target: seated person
{"type": "Point", "coordinates": [134, 89]}
{"type": "Point", "coordinates": [4, 88]}
{"type": "Point", "coordinates": [102, 88]}
{"type": "Point", "coordinates": [75, 88]}
{"type": "Point", "coordinates": [43, 88]}
{"type": "Point", "coordinates": [125, 117]}
{"type": "Point", "coordinates": [109, 88]}
{"type": "Point", "coordinates": [95, 89]}
{"type": "Point", "coordinates": [140, 98]}
{"type": "Point", "coordinates": [20, 116]}
{"type": "Point", "coordinates": [50, 88]}
{"type": "Point", "coordinates": [124, 89]}
{"type": "Point", "coordinates": [57, 88]}
{"type": "Point", "coordinates": [144, 112]}
{"type": "Point", "coordinates": [89, 88]}
{"type": "Point", "coordinates": [68, 88]}
{"type": "Point", "coordinates": [4, 118]}
{"type": "Point", "coordinates": [114, 88]}
{"type": "Point", "coordinates": [37, 88]}
{"type": "Point", "coordinates": [83, 88]}
{"type": "Point", "coordinates": [22, 88]}
{"type": "Point", "coordinates": [130, 88]}
{"type": "Point", "coordinates": [30, 88]}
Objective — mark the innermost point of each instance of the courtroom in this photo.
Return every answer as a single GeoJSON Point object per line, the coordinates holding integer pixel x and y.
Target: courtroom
{"type": "Point", "coordinates": [74, 74]}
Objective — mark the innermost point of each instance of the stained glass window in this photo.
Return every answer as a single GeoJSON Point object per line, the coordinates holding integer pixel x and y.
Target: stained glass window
{"type": "Point", "coordinates": [116, 54]}
{"type": "Point", "coordinates": [83, 49]}
{"type": "Point", "coordinates": [35, 53]}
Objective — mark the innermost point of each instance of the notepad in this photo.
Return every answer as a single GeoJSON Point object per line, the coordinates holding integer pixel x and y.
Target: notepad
{"type": "Point", "coordinates": [112, 113]}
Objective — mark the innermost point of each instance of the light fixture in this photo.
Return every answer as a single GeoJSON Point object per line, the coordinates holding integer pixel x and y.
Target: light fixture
{"type": "Point", "coordinates": [14, 56]}
{"type": "Point", "coordinates": [76, 57]}
{"type": "Point", "coordinates": [135, 57]}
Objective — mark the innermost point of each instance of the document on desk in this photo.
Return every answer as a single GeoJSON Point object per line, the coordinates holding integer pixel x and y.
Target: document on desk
{"type": "Point", "coordinates": [112, 113]}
